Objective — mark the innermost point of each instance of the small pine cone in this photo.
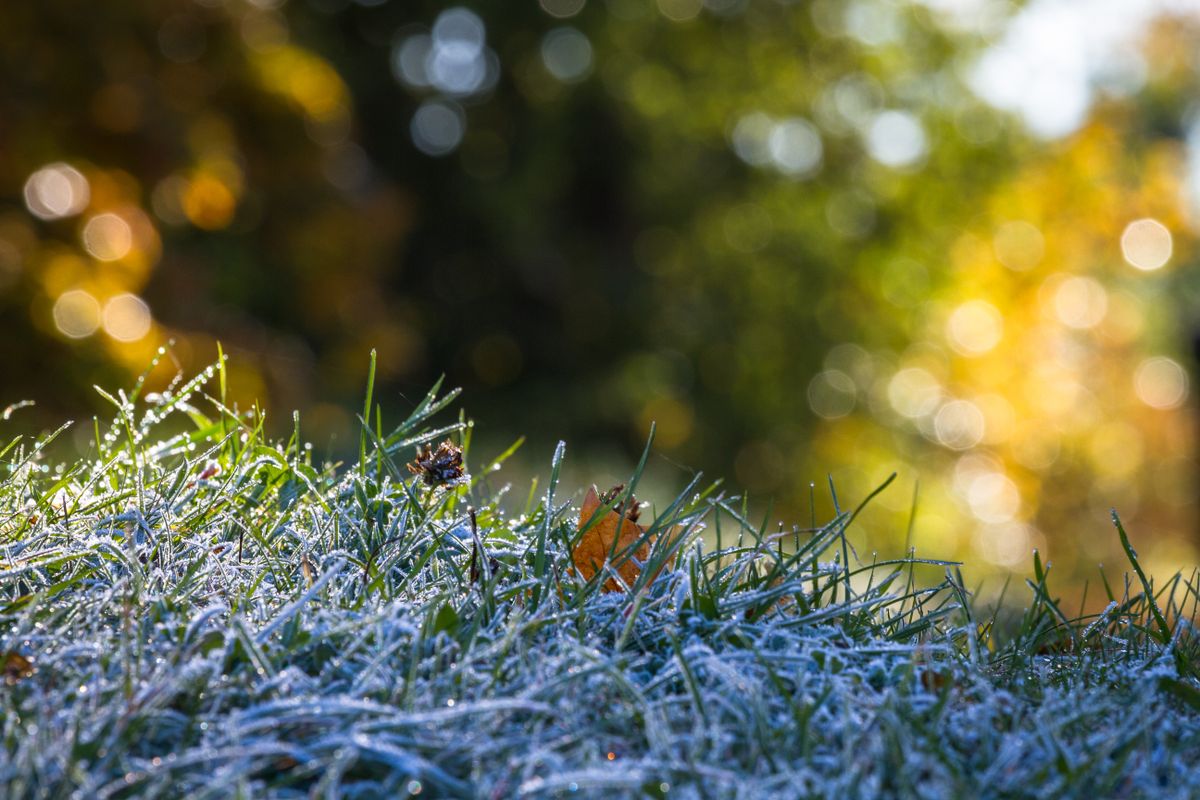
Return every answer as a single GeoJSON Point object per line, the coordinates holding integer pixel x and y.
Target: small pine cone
{"type": "Point", "coordinates": [438, 467]}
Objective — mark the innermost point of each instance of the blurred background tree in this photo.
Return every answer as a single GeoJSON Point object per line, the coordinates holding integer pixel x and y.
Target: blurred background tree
{"type": "Point", "coordinates": [945, 239]}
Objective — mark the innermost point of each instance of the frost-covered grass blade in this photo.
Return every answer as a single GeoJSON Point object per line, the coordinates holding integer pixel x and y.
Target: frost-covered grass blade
{"type": "Point", "coordinates": [194, 610]}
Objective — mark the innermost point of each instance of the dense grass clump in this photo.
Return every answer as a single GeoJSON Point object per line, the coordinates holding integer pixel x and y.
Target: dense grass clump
{"type": "Point", "coordinates": [195, 611]}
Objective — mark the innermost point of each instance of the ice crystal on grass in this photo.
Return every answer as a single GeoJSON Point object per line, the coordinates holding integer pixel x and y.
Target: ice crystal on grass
{"type": "Point", "coordinates": [208, 614]}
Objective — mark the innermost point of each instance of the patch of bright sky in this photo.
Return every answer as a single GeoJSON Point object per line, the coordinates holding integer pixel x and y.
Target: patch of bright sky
{"type": "Point", "coordinates": [1054, 57]}
{"type": "Point", "coordinates": [1051, 59]}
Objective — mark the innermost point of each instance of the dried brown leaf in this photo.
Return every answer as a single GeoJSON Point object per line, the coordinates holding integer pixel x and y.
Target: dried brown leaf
{"type": "Point", "coordinates": [594, 547]}
{"type": "Point", "coordinates": [620, 524]}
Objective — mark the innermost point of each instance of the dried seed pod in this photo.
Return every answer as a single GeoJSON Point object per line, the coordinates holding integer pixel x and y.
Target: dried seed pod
{"type": "Point", "coordinates": [438, 467]}
{"type": "Point", "coordinates": [16, 667]}
{"type": "Point", "coordinates": [630, 511]}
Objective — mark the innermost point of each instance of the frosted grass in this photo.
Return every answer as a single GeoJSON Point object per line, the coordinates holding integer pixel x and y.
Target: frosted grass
{"type": "Point", "coordinates": [208, 614]}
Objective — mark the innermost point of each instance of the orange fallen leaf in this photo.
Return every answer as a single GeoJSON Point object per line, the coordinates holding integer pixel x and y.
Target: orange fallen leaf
{"type": "Point", "coordinates": [619, 524]}
{"type": "Point", "coordinates": [594, 547]}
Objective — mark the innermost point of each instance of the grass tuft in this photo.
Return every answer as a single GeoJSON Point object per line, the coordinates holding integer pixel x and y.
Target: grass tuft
{"type": "Point", "coordinates": [193, 610]}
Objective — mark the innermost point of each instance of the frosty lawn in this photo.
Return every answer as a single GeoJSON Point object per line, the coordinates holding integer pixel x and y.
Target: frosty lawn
{"type": "Point", "coordinates": [208, 614]}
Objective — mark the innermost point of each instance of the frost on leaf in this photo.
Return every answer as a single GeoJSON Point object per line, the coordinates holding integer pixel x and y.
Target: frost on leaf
{"type": "Point", "coordinates": [616, 524]}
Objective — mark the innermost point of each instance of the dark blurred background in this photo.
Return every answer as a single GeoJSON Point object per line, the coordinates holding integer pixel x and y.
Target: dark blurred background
{"type": "Point", "coordinates": [950, 239]}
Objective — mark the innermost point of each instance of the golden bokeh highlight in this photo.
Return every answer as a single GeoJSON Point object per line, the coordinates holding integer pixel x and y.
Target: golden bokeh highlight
{"type": "Point", "coordinates": [975, 327]}
{"type": "Point", "coordinates": [1161, 383]}
{"type": "Point", "coordinates": [76, 314]}
{"type": "Point", "coordinates": [673, 420]}
{"type": "Point", "coordinates": [305, 79]}
{"type": "Point", "coordinates": [107, 237]}
{"type": "Point", "coordinates": [207, 201]}
{"type": "Point", "coordinates": [126, 318]}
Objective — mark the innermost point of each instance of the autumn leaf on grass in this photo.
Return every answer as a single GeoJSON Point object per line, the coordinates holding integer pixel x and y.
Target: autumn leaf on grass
{"type": "Point", "coordinates": [617, 525]}
{"type": "Point", "coordinates": [594, 547]}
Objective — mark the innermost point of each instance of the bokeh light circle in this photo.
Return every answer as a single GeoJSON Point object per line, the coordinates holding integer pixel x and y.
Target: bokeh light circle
{"type": "Point", "coordinates": [795, 147]}
{"type": "Point", "coordinates": [460, 28]}
{"type": "Point", "coordinates": [1081, 302]}
{"type": "Point", "coordinates": [831, 394]}
{"type": "Point", "coordinates": [567, 54]}
{"type": "Point", "coordinates": [562, 9]}
{"type": "Point", "coordinates": [107, 237]}
{"type": "Point", "coordinates": [457, 62]}
{"type": "Point", "coordinates": [896, 139]}
{"type": "Point", "coordinates": [680, 10]}
{"type": "Point", "coordinates": [126, 318]}
{"type": "Point", "coordinates": [409, 58]}
{"type": "Point", "coordinates": [751, 138]}
{"type": "Point", "coordinates": [1160, 382]}
{"type": "Point", "coordinates": [76, 314]}
{"type": "Point", "coordinates": [959, 425]}
{"type": "Point", "coordinates": [55, 191]}
{"type": "Point", "coordinates": [437, 128]}
{"type": "Point", "coordinates": [914, 392]}
{"type": "Point", "coordinates": [974, 328]}
{"type": "Point", "coordinates": [994, 498]}
{"type": "Point", "coordinates": [1146, 244]}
